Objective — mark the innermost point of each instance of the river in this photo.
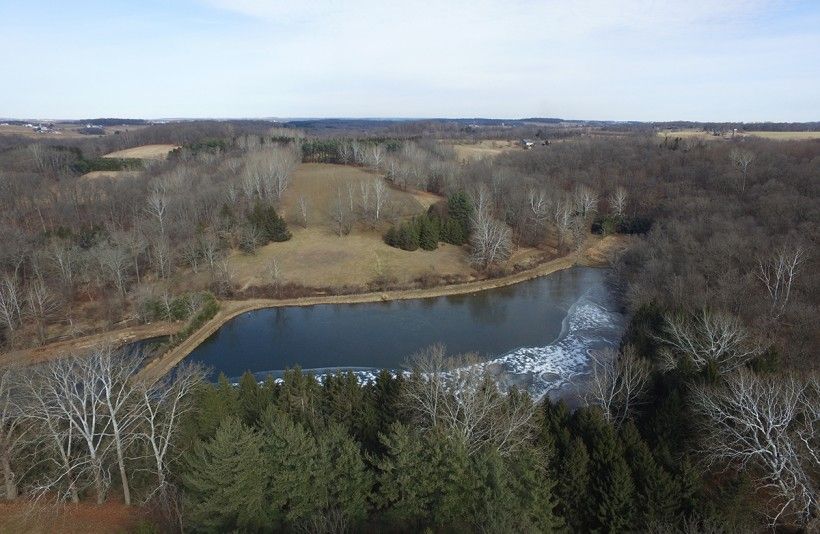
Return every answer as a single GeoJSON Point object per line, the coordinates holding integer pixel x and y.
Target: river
{"type": "Point", "coordinates": [536, 334]}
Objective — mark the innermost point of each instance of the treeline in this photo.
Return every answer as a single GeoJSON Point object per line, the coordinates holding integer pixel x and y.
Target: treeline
{"type": "Point", "coordinates": [335, 456]}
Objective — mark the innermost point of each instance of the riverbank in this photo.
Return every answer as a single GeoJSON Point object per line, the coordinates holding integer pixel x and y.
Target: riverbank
{"type": "Point", "coordinates": [598, 253]}
{"type": "Point", "coordinates": [116, 338]}
{"type": "Point", "coordinates": [595, 255]}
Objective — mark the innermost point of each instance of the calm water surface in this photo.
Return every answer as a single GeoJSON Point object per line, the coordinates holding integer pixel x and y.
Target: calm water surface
{"type": "Point", "coordinates": [536, 333]}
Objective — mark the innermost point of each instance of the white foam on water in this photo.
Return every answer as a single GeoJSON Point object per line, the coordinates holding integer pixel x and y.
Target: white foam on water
{"type": "Point", "coordinates": [587, 326]}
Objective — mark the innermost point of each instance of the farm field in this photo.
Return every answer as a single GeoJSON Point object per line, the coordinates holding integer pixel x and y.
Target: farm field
{"type": "Point", "coordinates": [786, 136]}
{"type": "Point", "coordinates": [475, 150]}
{"type": "Point", "coordinates": [61, 131]}
{"type": "Point", "coordinates": [143, 152]}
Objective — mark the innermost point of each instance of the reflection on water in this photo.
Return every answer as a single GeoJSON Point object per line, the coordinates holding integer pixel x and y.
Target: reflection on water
{"type": "Point", "coordinates": [535, 334]}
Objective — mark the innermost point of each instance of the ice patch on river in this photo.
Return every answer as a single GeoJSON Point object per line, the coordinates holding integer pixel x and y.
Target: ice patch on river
{"type": "Point", "coordinates": [588, 326]}
{"type": "Point", "coordinates": [556, 369]}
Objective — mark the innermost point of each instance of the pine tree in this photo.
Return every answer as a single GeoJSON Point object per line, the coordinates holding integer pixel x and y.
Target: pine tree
{"type": "Point", "coordinates": [350, 483]}
{"type": "Point", "coordinates": [610, 479]}
{"type": "Point", "coordinates": [251, 399]}
{"type": "Point", "coordinates": [300, 397]}
{"type": "Point", "coordinates": [268, 223]}
{"type": "Point", "coordinates": [657, 491]}
{"type": "Point", "coordinates": [297, 483]}
{"type": "Point", "coordinates": [403, 477]}
{"type": "Point", "coordinates": [408, 237]}
{"type": "Point", "coordinates": [225, 480]}
{"type": "Point", "coordinates": [573, 484]}
{"type": "Point", "coordinates": [460, 209]}
{"type": "Point", "coordinates": [428, 233]}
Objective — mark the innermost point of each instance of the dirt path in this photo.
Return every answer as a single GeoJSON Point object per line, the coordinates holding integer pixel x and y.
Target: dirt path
{"type": "Point", "coordinates": [594, 255]}
{"type": "Point", "coordinates": [115, 337]}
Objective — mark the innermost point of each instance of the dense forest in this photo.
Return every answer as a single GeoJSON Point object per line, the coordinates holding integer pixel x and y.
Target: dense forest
{"type": "Point", "coordinates": [705, 419]}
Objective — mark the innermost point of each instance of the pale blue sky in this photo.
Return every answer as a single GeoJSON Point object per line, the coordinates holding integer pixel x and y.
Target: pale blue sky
{"type": "Point", "coordinates": [721, 60]}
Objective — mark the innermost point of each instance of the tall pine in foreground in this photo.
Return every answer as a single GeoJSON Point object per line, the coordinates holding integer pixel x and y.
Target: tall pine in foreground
{"type": "Point", "coordinates": [225, 480]}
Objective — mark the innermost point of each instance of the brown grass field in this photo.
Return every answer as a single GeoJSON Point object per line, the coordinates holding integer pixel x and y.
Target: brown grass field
{"type": "Point", "coordinates": [474, 150]}
{"type": "Point", "coordinates": [786, 136]}
{"type": "Point", "coordinates": [321, 183]}
{"type": "Point", "coordinates": [143, 152]}
{"type": "Point", "coordinates": [317, 257]}
{"type": "Point", "coordinates": [706, 136]}
{"type": "Point", "coordinates": [114, 175]}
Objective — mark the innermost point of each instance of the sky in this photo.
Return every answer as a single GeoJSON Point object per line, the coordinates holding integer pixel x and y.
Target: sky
{"type": "Point", "coordinates": [647, 60]}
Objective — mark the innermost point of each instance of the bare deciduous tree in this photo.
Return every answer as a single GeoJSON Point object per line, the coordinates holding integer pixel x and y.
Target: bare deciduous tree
{"type": "Point", "coordinates": [586, 201]}
{"type": "Point", "coordinates": [114, 263]}
{"type": "Point", "coordinates": [13, 428]}
{"type": "Point", "coordinates": [767, 425]}
{"type": "Point", "coordinates": [459, 396]}
{"type": "Point", "coordinates": [778, 274]}
{"type": "Point", "coordinates": [163, 403]}
{"type": "Point", "coordinates": [617, 201]}
{"type": "Point", "coordinates": [709, 338]}
{"type": "Point", "coordinates": [303, 210]}
{"type": "Point", "coordinates": [741, 159]}
{"type": "Point", "coordinates": [491, 239]}
{"type": "Point", "coordinates": [158, 202]}
{"type": "Point", "coordinates": [380, 194]}
{"type": "Point", "coordinates": [11, 302]}
{"type": "Point", "coordinates": [41, 304]}
{"type": "Point", "coordinates": [618, 382]}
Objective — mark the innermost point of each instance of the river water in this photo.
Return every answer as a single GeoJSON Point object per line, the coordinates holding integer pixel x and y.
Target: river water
{"type": "Point", "coordinates": [536, 334]}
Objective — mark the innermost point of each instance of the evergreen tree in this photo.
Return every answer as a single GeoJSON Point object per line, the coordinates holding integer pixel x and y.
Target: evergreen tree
{"type": "Point", "coordinates": [428, 233]}
{"type": "Point", "coordinates": [610, 479]}
{"type": "Point", "coordinates": [452, 232]}
{"type": "Point", "coordinates": [300, 397]}
{"type": "Point", "coordinates": [391, 237]}
{"type": "Point", "coordinates": [225, 480]}
{"type": "Point", "coordinates": [658, 493]}
{"type": "Point", "coordinates": [408, 237]}
{"type": "Point", "coordinates": [297, 474]}
{"type": "Point", "coordinates": [403, 477]}
{"type": "Point", "coordinates": [251, 399]}
{"type": "Point", "coordinates": [344, 401]}
{"type": "Point", "coordinates": [214, 404]}
{"type": "Point", "coordinates": [460, 209]}
{"type": "Point", "coordinates": [268, 223]}
{"type": "Point", "coordinates": [349, 481]}
{"type": "Point", "coordinates": [573, 484]}
{"type": "Point", "coordinates": [513, 494]}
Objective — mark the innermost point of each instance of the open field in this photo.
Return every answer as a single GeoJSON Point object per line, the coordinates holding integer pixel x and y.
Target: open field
{"type": "Point", "coordinates": [143, 152]}
{"type": "Point", "coordinates": [473, 150]}
{"type": "Point", "coordinates": [114, 175]}
{"type": "Point", "coordinates": [321, 184]}
{"type": "Point", "coordinates": [61, 131]}
{"type": "Point", "coordinates": [786, 136]}
{"type": "Point", "coordinates": [706, 136]}
{"type": "Point", "coordinates": [319, 258]}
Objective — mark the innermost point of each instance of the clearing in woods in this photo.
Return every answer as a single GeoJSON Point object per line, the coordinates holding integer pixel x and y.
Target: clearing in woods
{"type": "Point", "coordinates": [474, 150]}
{"type": "Point", "coordinates": [317, 256]}
{"type": "Point", "coordinates": [143, 152]}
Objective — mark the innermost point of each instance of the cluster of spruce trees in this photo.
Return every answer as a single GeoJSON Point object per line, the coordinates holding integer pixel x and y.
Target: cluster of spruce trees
{"type": "Point", "coordinates": [449, 223]}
